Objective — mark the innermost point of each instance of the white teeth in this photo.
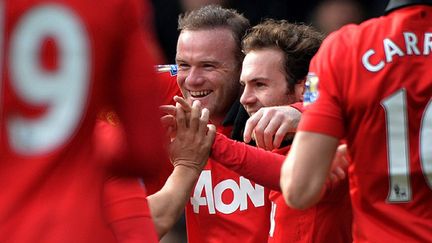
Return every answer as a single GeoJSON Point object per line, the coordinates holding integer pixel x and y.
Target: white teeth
{"type": "Point", "coordinates": [201, 93]}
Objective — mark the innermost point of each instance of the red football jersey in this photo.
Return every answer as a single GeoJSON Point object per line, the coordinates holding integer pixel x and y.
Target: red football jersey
{"type": "Point", "coordinates": [375, 90]}
{"type": "Point", "coordinates": [62, 62]}
{"type": "Point", "coordinates": [109, 134]}
{"type": "Point", "coordinates": [329, 221]}
{"type": "Point", "coordinates": [226, 207]}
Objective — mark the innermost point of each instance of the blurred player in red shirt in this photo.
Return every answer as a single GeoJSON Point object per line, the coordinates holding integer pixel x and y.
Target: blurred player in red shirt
{"type": "Point", "coordinates": [62, 63]}
{"type": "Point", "coordinates": [166, 191]}
{"type": "Point", "coordinates": [374, 90]}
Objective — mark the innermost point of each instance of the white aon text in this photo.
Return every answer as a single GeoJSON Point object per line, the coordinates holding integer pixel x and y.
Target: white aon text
{"type": "Point", "coordinates": [213, 195]}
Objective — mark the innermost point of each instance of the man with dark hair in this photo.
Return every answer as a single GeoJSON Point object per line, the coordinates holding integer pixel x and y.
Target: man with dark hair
{"type": "Point", "coordinates": [273, 74]}
{"type": "Point", "coordinates": [296, 43]}
{"type": "Point", "coordinates": [209, 60]}
{"type": "Point", "coordinates": [374, 90]}
{"type": "Point", "coordinates": [209, 63]}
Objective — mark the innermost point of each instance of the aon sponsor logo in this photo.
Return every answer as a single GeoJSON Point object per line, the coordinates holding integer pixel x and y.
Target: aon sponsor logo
{"type": "Point", "coordinates": [212, 197]}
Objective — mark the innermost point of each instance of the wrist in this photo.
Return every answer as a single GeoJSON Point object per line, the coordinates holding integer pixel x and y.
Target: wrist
{"type": "Point", "coordinates": [187, 167]}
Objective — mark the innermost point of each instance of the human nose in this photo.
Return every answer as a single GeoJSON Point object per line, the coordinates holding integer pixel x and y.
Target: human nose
{"type": "Point", "coordinates": [248, 96]}
{"type": "Point", "coordinates": [194, 77]}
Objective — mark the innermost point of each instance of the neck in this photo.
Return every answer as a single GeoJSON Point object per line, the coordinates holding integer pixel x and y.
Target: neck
{"type": "Point", "coordinates": [217, 121]}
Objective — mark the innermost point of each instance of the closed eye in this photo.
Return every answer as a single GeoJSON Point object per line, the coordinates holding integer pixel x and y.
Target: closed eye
{"type": "Point", "coordinates": [260, 84]}
{"type": "Point", "coordinates": [209, 66]}
{"type": "Point", "coordinates": [183, 66]}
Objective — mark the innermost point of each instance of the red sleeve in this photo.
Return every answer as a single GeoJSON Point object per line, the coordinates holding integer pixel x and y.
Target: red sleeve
{"type": "Point", "coordinates": [125, 233]}
{"type": "Point", "coordinates": [110, 143]}
{"type": "Point", "coordinates": [127, 211]}
{"type": "Point", "coordinates": [298, 106]}
{"type": "Point", "coordinates": [138, 98]}
{"type": "Point", "coordinates": [258, 165]}
{"type": "Point", "coordinates": [169, 88]}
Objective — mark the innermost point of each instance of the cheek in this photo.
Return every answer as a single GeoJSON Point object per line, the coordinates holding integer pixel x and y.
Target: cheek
{"type": "Point", "coordinates": [267, 99]}
{"type": "Point", "coordinates": [275, 98]}
{"type": "Point", "coordinates": [299, 94]}
{"type": "Point", "coordinates": [181, 81]}
{"type": "Point", "coordinates": [181, 85]}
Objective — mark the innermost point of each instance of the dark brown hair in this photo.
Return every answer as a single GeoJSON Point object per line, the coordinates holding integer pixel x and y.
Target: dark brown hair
{"type": "Point", "coordinates": [214, 16]}
{"type": "Point", "coordinates": [298, 42]}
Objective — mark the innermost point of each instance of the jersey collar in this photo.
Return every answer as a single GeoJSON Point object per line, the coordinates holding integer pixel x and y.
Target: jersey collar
{"type": "Point", "coordinates": [396, 4]}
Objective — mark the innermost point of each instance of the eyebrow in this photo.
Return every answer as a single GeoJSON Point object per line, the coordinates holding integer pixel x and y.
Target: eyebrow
{"type": "Point", "coordinates": [202, 61]}
{"type": "Point", "coordinates": [254, 80]}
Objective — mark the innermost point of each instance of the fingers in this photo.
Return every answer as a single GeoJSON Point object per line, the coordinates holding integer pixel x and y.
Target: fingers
{"type": "Point", "coordinates": [168, 109]}
{"type": "Point", "coordinates": [337, 174]}
{"type": "Point", "coordinates": [280, 135]}
{"type": "Point", "coordinates": [340, 164]}
{"type": "Point", "coordinates": [183, 103]}
{"type": "Point", "coordinates": [205, 114]}
{"type": "Point", "coordinates": [250, 126]}
{"type": "Point", "coordinates": [168, 121]}
{"type": "Point", "coordinates": [180, 118]}
{"type": "Point", "coordinates": [194, 120]}
{"type": "Point", "coordinates": [271, 125]}
{"type": "Point", "coordinates": [260, 133]}
{"type": "Point", "coordinates": [342, 156]}
{"type": "Point", "coordinates": [270, 131]}
{"type": "Point", "coordinates": [211, 134]}
{"type": "Point", "coordinates": [194, 139]}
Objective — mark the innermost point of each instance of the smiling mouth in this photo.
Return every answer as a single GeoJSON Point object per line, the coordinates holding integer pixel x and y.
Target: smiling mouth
{"type": "Point", "coordinates": [200, 94]}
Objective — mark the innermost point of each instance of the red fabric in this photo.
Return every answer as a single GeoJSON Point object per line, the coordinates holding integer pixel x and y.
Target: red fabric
{"type": "Point", "coordinates": [329, 221]}
{"type": "Point", "coordinates": [245, 160]}
{"type": "Point", "coordinates": [125, 200]}
{"type": "Point", "coordinates": [226, 207]}
{"type": "Point", "coordinates": [168, 88]}
{"type": "Point", "coordinates": [299, 106]}
{"type": "Point", "coordinates": [111, 138]}
{"type": "Point", "coordinates": [126, 232]}
{"type": "Point", "coordinates": [360, 103]}
{"type": "Point", "coordinates": [53, 192]}
{"type": "Point", "coordinates": [126, 210]}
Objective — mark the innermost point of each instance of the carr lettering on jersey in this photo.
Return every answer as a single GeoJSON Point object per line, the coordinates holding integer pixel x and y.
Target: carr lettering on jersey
{"type": "Point", "coordinates": [392, 49]}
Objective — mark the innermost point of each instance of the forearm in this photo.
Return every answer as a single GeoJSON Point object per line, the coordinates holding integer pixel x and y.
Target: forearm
{"type": "Point", "coordinates": [167, 205]}
{"type": "Point", "coordinates": [258, 165]}
{"type": "Point", "coordinates": [304, 173]}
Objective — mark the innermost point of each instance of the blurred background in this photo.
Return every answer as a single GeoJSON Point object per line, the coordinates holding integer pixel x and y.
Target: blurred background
{"type": "Point", "coordinates": [326, 15]}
